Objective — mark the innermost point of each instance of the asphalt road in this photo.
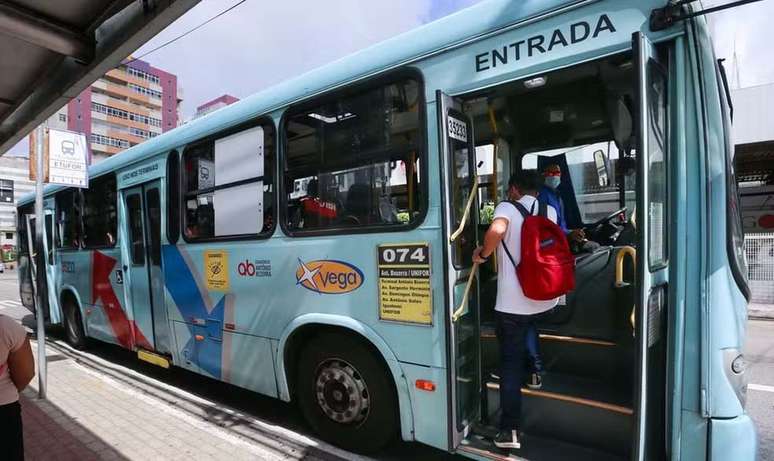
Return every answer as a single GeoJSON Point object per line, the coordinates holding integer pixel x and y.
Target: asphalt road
{"type": "Point", "coordinates": [760, 395]}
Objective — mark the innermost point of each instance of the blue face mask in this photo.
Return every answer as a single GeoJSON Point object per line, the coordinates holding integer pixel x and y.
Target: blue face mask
{"type": "Point", "coordinates": [553, 181]}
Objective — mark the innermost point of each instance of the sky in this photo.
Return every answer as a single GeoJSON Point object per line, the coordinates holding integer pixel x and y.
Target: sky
{"type": "Point", "coordinates": [260, 43]}
{"type": "Point", "coordinates": [746, 29]}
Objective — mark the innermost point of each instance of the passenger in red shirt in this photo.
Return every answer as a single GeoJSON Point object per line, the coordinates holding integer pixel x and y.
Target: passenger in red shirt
{"type": "Point", "coordinates": [317, 212]}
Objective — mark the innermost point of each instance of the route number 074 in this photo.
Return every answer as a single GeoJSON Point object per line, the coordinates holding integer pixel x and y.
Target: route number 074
{"type": "Point", "coordinates": [415, 255]}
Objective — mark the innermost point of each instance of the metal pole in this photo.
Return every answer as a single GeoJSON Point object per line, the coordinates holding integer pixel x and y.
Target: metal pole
{"type": "Point", "coordinates": [40, 274]}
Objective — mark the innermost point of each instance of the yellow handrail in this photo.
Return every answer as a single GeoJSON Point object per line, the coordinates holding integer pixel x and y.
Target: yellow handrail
{"type": "Point", "coordinates": [466, 214]}
{"type": "Point", "coordinates": [460, 311]}
{"type": "Point", "coordinates": [619, 281]}
{"type": "Point", "coordinates": [619, 258]}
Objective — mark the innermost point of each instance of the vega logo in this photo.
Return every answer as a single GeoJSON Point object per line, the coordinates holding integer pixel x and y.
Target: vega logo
{"type": "Point", "coordinates": [327, 276]}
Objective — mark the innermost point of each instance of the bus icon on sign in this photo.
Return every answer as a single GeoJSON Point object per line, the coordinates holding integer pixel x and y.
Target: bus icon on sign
{"type": "Point", "coordinates": [68, 147]}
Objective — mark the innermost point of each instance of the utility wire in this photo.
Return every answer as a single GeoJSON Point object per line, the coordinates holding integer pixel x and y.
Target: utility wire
{"type": "Point", "coordinates": [169, 42]}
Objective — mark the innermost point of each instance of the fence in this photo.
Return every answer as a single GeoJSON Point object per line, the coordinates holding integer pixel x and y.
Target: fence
{"type": "Point", "coordinates": [759, 249]}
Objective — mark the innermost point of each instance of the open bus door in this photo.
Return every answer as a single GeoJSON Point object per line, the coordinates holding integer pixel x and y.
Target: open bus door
{"type": "Point", "coordinates": [460, 192]}
{"type": "Point", "coordinates": [50, 303]}
{"type": "Point", "coordinates": [652, 220]}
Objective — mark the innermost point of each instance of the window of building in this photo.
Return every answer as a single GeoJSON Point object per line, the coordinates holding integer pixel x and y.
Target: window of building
{"type": "Point", "coordinates": [62, 117]}
{"type": "Point", "coordinates": [354, 161]}
{"type": "Point", "coordinates": [99, 213]}
{"type": "Point", "coordinates": [68, 216]}
{"type": "Point", "coordinates": [229, 186]}
{"type": "Point", "coordinates": [6, 191]}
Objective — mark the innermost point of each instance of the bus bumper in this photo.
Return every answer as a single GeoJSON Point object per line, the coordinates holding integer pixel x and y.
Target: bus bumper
{"type": "Point", "coordinates": [733, 438]}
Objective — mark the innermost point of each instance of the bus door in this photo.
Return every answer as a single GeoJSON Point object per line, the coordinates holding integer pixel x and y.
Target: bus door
{"type": "Point", "coordinates": [50, 303]}
{"type": "Point", "coordinates": [461, 217]}
{"type": "Point", "coordinates": [652, 220]}
{"type": "Point", "coordinates": [142, 265]}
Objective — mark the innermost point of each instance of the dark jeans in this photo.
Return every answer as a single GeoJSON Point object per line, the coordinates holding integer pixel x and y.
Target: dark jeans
{"type": "Point", "coordinates": [512, 331]}
{"type": "Point", "coordinates": [533, 349]}
{"type": "Point", "coordinates": [11, 440]}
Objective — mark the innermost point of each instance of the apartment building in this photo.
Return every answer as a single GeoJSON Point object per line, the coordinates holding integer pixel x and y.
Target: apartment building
{"type": "Point", "coordinates": [215, 104]}
{"type": "Point", "coordinates": [126, 106]}
{"type": "Point", "coordinates": [14, 183]}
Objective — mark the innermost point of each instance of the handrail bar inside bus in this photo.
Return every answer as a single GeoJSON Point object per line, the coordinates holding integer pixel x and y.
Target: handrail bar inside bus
{"type": "Point", "coordinates": [459, 312]}
{"type": "Point", "coordinates": [466, 214]}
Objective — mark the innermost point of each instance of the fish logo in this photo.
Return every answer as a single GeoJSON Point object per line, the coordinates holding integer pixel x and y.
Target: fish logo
{"type": "Point", "coordinates": [327, 276]}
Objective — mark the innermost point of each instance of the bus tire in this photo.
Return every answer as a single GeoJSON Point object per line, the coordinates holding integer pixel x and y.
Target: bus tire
{"type": "Point", "coordinates": [73, 325]}
{"type": "Point", "coordinates": [346, 394]}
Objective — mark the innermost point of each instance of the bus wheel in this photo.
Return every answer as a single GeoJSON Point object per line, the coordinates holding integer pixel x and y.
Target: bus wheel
{"type": "Point", "coordinates": [346, 394]}
{"type": "Point", "coordinates": [74, 333]}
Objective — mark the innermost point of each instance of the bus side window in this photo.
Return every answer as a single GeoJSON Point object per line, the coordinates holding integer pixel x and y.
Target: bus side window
{"type": "Point", "coordinates": [68, 219]}
{"type": "Point", "coordinates": [228, 185]}
{"type": "Point", "coordinates": [354, 160]}
{"type": "Point", "coordinates": [100, 217]}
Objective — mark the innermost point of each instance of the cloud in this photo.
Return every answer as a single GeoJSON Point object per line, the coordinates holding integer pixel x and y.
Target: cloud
{"type": "Point", "coordinates": [262, 43]}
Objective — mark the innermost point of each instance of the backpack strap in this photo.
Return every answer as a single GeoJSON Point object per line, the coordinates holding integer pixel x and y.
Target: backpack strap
{"type": "Point", "coordinates": [524, 213]}
{"type": "Point", "coordinates": [522, 209]}
{"type": "Point", "coordinates": [505, 247]}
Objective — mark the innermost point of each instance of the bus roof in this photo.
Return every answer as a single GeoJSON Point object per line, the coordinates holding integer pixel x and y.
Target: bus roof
{"type": "Point", "coordinates": [410, 46]}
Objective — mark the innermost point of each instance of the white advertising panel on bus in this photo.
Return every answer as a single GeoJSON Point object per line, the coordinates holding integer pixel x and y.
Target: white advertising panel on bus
{"type": "Point", "coordinates": [239, 208]}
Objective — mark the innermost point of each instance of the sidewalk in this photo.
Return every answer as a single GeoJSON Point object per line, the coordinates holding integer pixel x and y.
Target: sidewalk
{"type": "Point", "coordinates": [123, 415]}
{"type": "Point", "coordinates": [761, 311]}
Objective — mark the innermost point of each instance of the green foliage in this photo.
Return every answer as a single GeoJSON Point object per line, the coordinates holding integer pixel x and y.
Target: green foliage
{"type": "Point", "coordinates": [486, 213]}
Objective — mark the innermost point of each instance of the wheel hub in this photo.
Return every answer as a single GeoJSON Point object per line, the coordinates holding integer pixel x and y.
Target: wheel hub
{"type": "Point", "coordinates": [342, 393]}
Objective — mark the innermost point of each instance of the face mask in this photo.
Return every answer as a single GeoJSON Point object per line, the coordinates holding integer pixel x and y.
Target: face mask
{"type": "Point", "coordinates": [553, 181]}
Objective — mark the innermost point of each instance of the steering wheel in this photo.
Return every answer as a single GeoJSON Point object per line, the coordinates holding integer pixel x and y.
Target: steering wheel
{"type": "Point", "coordinates": [607, 218]}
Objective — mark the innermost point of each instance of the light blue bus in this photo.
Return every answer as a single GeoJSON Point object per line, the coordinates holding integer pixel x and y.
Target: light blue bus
{"type": "Point", "coordinates": [313, 242]}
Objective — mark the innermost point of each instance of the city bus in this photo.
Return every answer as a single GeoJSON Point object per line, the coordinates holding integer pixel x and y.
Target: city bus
{"type": "Point", "coordinates": [313, 242]}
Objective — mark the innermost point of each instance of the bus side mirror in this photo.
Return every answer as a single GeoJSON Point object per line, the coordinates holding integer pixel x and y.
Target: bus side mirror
{"type": "Point", "coordinates": [601, 163]}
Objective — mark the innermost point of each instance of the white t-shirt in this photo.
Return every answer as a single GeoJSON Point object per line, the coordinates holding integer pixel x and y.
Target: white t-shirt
{"type": "Point", "coordinates": [12, 336]}
{"type": "Point", "coordinates": [510, 296]}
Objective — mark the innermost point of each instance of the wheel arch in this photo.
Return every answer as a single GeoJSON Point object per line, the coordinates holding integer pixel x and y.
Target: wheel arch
{"type": "Point", "coordinates": [299, 331]}
{"type": "Point", "coordinates": [68, 291]}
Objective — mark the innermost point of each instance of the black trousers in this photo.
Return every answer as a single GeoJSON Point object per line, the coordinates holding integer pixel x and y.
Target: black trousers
{"type": "Point", "coordinates": [11, 438]}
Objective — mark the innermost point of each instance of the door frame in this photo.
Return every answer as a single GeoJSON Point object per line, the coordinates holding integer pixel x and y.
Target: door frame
{"type": "Point", "coordinates": [652, 279]}
{"type": "Point", "coordinates": [127, 267]}
{"type": "Point", "coordinates": [454, 277]}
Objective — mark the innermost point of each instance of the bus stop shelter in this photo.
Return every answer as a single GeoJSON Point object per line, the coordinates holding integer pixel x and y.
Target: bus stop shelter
{"type": "Point", "coordinates": [50, 51]}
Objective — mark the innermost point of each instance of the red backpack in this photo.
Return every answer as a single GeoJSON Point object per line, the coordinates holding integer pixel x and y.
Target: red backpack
{"type": "Point", "coordinates": [547, 267]}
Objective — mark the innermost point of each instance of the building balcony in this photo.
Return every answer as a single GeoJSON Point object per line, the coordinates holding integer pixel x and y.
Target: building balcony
{"type": "Point", "coordinates": [104, 150]}
{"type": "Point", "coordinates": [126, 95]}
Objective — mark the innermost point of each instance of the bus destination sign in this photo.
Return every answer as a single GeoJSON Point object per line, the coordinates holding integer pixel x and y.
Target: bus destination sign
{"type": "Point", "coordinates": [405, 294]}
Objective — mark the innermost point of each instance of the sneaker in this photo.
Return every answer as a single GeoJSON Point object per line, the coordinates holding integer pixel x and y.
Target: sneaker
{"type": "Point", "coordinates": [507, 439]}
{"type": "Point", "coordinates": [535, 381]}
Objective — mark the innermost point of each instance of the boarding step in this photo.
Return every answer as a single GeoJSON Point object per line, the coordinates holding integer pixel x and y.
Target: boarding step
{"type": "Point", "coordinates": [153, 358]}
{"type": "Point", "coordinates": [592, 358]}
{"type": "Point", "coordinates": [576, 410]}
{"type": "Point", "coordinates": [533, 448]}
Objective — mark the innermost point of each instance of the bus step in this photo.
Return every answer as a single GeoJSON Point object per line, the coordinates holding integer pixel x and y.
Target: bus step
{"type": "Point", "coordinates": [479, 443]}
{"type": "Point", "coordinates": [589, 358]}
{"type": "Point", "coordinates": [563, 407]}
{"type": "Point", "coordinates": [152, 357]}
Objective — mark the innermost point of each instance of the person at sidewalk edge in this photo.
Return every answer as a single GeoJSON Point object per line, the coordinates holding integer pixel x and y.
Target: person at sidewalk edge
{"type": "Point", "coordinates": [514, 312]}
{"type": "Point", "coordinates": [17, 368]}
